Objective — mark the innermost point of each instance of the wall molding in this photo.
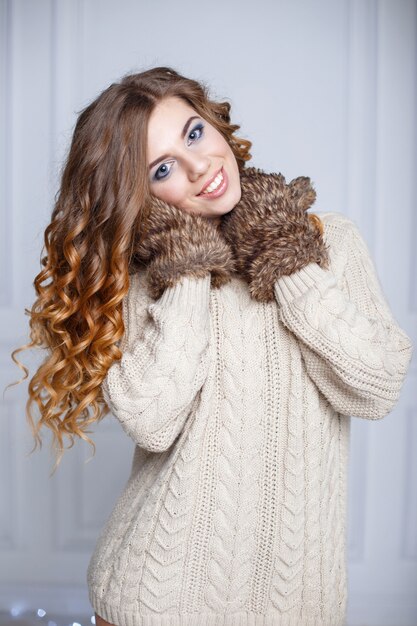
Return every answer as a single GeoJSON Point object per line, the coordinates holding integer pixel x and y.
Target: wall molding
{"type": "Point", "coordinates": [361, 128]}
{"type": "Point", "coordinates": [409, 488]}
{"type": "Point", "coordinates": [6, 154]}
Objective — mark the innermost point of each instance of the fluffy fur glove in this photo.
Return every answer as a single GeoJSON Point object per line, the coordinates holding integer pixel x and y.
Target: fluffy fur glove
{"type": "Point", "coordinates": [270, 232]}
{"type": "Point", "coordinates": [174, 243]}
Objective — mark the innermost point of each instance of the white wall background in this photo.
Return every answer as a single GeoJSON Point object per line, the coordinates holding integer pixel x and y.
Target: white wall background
{"type": "Point", "coordinates": [326, 89]}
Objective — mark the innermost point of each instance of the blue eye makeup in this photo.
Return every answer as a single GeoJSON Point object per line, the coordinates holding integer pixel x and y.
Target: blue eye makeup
{"type": "Point", "coordinates": [162, 171]}
{"type": "Point", "coordinates": [198, 127]}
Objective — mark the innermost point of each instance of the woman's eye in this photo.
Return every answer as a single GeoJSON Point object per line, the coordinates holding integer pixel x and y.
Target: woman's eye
{"type": "Point", "coordinates": [198, 128]}
{"type": "Point", "coordinates": [163, 169]}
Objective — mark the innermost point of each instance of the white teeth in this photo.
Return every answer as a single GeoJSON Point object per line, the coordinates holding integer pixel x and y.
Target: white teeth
{"type": "Point", "coordinates": [216, 182]}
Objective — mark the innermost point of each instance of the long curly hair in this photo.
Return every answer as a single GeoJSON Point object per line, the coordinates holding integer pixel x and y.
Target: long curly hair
{"type": "Point", "coordinates": [90, 242]}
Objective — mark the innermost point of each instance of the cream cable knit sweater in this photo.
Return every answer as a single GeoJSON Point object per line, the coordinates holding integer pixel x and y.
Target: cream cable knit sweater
{"type": "Point", "coordinates": [235, 509]}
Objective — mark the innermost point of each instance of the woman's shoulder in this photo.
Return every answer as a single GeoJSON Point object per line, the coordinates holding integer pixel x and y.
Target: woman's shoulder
{"type": "Point", "coordinates": [134, 306]}
{"type": "Point", "coordinates": [336, 227]}
{"type": "Point", "coordinates": [138, 296]}
{"type": "Point", "coordinates": [333, 220]}
{"type": "Point", "coordinates": [137, 280]}
{"type": "Point", "coordinates": [339, 233]}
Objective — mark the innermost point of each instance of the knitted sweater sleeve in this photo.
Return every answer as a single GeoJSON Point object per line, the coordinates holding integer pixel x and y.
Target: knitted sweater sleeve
{"type": "Point", "coordinates": [152, 388]}
{"type": "Point", "coordinates": [353, 348]}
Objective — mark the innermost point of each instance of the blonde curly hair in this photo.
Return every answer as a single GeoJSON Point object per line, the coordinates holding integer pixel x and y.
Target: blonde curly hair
{"type": "Point", "coordinates": [89, 244]}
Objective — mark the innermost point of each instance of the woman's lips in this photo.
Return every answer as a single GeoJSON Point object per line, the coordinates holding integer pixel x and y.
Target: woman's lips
{"type": "Point", "coordinates": [220, 189]}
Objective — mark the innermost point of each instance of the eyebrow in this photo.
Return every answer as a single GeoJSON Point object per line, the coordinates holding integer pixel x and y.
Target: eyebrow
{"type": "Point", "coordinates": [184, 130]}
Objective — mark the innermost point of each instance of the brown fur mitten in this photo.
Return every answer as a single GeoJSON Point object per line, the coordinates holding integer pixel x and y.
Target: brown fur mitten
{"type": "Point", "coordinates": [175, 243]}
{"type": "Point", "coordinates": [270, 232]}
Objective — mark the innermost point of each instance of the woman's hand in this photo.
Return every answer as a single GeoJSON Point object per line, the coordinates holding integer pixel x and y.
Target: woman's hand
{"type": "Point", "coordinates": [270, 232]}
{"type": "Point", "coordinates": [175, 243]}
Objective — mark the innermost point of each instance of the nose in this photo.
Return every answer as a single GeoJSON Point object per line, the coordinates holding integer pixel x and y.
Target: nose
{"type": "Point", "coordinates": [197, 165]}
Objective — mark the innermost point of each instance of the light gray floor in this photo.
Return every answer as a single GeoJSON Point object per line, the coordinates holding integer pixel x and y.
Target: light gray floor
{"type": "Point", "coordinates": [30, 619]}
{"type": "Point", "coordinates": [55, 620]}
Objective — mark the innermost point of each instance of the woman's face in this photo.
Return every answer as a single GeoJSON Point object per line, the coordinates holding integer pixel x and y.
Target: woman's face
{"type": "Point", "coordinates": [186, 153]}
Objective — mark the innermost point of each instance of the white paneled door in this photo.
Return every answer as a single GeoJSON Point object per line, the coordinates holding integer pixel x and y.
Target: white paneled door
{"type": "Point", "coordinates": [326, 89]}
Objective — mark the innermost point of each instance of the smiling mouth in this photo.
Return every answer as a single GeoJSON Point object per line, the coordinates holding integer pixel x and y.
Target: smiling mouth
{"type": "Point", "coordinates": [217, 187]}
{"type": "Point", "coordinates": [214, 184]}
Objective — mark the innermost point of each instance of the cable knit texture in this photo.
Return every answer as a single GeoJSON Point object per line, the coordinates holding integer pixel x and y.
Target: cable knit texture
{"type": "Point", "coordinates": [234, 512]}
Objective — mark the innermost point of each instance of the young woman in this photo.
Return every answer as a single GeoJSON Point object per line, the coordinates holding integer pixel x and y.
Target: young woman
{"type": "Point", "coordinates": [232, 334]}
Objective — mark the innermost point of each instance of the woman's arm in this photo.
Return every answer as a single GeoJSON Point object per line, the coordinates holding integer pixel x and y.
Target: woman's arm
{"type": "Point", "coordinates": [353, 348]}
{"type": "Point", "coordinates": [152, 388]}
